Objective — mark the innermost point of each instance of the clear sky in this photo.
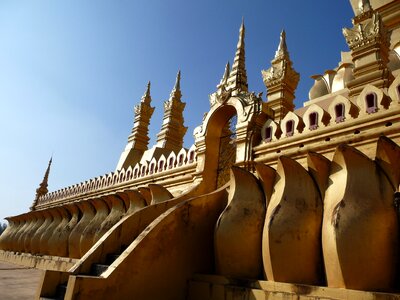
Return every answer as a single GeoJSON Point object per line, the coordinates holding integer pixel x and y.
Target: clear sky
{"type": "Point", "coordinates": [71, 72]}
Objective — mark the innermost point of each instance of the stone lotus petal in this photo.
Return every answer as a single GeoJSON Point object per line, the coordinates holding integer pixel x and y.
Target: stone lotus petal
{"type": "Point", "coordinates": [238, 231]}
{"type": "Point", "coordinates": [159, 193]}
{"type": "Point", "coordinates": [88, 212]}
{"type": "Point", "coordinates": [88, 235]}
{"type": "Point", "coordinates": [116, 212]}
{"type": "Point", "coordinates": [35, 241]}
{"type": "Point", "coordinates": [360, 227]}
{"type": "Point", "coordinates": [292, 230]}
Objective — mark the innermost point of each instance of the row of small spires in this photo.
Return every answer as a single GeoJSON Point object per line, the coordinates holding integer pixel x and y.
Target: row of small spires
{"type": "Point", "coordinates": [182, 158]}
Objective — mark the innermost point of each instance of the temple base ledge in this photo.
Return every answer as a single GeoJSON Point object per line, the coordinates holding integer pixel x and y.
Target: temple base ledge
{"type": "Point", "coordinates": [44, 262]}
{"type": "Point", "coordinates": [216, 287]}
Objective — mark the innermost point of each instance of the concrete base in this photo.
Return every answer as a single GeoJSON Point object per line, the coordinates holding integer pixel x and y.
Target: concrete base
{"type": "Point", "coordinates": [18, 283]}
{"type": "Point", "coordinates": [213, 287]}
{"type": "Point", "coordinates": [45, 262]}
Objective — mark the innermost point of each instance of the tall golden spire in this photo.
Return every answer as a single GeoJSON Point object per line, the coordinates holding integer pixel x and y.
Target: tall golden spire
{"type": "Point", "coordinates": [42, 189]}
{"type": "Point", "coordinates": [238, 77]}
{"type": "Point", "coordinates": [138, 140]}
{"type": "Point", "coordinates": [172, 130]}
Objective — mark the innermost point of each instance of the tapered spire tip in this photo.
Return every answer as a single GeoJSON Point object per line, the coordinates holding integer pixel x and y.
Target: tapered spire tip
{"type": "Point", "coordinates": [178, 81]}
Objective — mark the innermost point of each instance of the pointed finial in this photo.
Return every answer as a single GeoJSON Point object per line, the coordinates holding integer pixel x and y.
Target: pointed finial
{"type": "Point", "coordinates": [237, 77]}
{"type": "Point", "coordinates": [176, 91]}
{"type": "Point", "coordinates": [241, 33]}
{"type": "Point", "coordinates": [224, 78]}
{"type": "Point", "coordinates": [148, 89]}
{"type": "Point", "coordinates": [364, 6]}
{"type": "Point", "coordinates": [46, 175]}
{"type": "Point", "coordinates": [282, 47]}
{"type": "Point", "coordinates": [42, 190]}
{"type": "Point", "coordinates": [146, 98]}
{"type": "Point", "coordinates": [177, 86]}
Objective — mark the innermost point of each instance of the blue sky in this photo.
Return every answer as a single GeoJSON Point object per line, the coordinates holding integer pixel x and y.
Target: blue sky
{"type": "Point", "coordinates": [71, 72]}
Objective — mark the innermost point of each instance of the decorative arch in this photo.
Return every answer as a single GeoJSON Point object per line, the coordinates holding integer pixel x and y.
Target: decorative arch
{"type": "Point", "coordinates": [143, 169]}
{"type": "Point", "coordinates": [129, 173]}
{"type": "Point", "coordinates": [298, 124]}
{"type": "Point", "coordinates": [181, 157]}
{"type": "Point", "coordinates": [251, 114]}
{"type": "Point", "coordinates": [136, 171]}
{"type": "Point", "coordinates": [171, 160]}
{"type": "Point", "coordinates": [270, 131]}
{"type": "Point", "coordinates": [381, 101]}
{"type": "Point", "coordinates": [191, 157]}
{"type": "Point", "coordinates": [121, 175]}
{"type": "Point", "coordinates": [162, 163]}
{"type": "Point", "coordinates": [153, 166]}
{"type": "Point", "coordinates": [315, 117]}
{"type": "Point", "coordinates": [350, 110]}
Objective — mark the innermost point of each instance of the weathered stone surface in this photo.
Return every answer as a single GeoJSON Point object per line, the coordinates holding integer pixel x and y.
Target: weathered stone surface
{"type": "Point", "coordinates": [88, 235]}
{"type": "Point", "coordinates": [238, 232]}
{"type": "Point", "coordinates": [74, 240]}
{"type": "Point", "coordinates": [360, 227]}
{"type": "Point", "coordinates": [292, 230]}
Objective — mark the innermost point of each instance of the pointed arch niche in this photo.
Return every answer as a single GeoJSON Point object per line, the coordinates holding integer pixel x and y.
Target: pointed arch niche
{"type": "Point", "coordinates": [371, 100]}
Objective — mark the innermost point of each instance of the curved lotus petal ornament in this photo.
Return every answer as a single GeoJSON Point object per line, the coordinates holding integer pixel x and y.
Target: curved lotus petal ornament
{"type": "Point", "coordinates": [238, 231]}
{"type": "Point", "coordinates": [360, 227]}
{"type": "Point", "coordinates": [292, 230]}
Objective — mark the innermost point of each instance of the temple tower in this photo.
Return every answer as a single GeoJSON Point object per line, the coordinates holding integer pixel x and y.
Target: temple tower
{"type": "Point", "coordinates": [281, 81]}
{"type": "Point", "coordinates": [172, 130]}
{"type": "Point", "coordinates": [368, 41]}
{"type": "Point", "coordinates": [138, 140]}
{"type": "Point", "coordinates": [237, 80]}
{"type": "Point", "coordinates": [42, 189]}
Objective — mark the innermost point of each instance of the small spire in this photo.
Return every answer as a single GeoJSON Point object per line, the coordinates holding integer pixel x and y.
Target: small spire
{"type": "Point", "coordinates": [42, 189]}
{"type": "Point", "coordinates": [146, 98]}
{"type": "Point", "coordinates": [364, 6]}
{"type": "Point", "coordinates": [176, 91]}
{"type": "Point", "coordinates": [224, 78]}
{"type": "Point", "coordinates": [46, 174]}
{"type": "Point", "coordinates": [238, 76]}
{"type": "Point", "coordinates": [172, 129]}
{"type": "Point", "coordinates": [177, 86]}
{"type": "Point", "coordinates": [282, 48]}
{"type": "Point", "coordinates": [241, 35]}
